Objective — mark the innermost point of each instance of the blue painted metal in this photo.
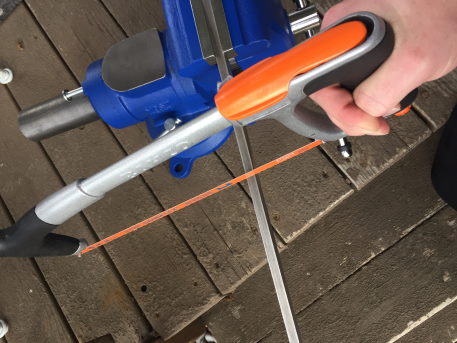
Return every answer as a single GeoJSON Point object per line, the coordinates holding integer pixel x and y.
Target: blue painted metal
{"type": "Point", "coordinates": [258, 28]}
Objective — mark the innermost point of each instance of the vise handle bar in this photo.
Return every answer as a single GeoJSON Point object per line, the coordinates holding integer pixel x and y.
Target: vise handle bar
{"type": "Point", "coordinates": [347, 53]}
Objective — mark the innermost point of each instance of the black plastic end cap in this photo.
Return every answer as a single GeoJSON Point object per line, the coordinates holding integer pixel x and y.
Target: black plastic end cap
{"type": "Point", "coordinates": [32, 237]}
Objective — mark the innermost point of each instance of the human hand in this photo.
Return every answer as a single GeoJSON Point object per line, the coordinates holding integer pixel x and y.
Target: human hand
{"type": "Point", "coordinates": [425, 50]}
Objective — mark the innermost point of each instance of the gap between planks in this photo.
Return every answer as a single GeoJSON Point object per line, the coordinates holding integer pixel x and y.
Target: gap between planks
{"type": "Point", "coordinates": [103, 251]}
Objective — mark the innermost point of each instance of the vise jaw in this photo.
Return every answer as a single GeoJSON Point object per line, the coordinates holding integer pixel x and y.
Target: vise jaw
{"type": "Point", "coordinates": [168, 78]}
{"type": "Point", "coordinates": [134, 62]}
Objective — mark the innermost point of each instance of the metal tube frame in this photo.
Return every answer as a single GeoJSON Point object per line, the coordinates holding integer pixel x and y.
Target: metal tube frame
{"type": "Point", "coordinates": [74, 198]}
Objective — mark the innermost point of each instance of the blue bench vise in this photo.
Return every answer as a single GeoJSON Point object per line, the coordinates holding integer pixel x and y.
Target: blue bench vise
{"type": "Point", "coordinates": [169, 78]}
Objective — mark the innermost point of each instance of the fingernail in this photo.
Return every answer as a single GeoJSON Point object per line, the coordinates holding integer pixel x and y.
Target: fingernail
{"type": "Point", "coordinates": [383, 130]}
{"type": "Point", "coordinates": [395, 109]}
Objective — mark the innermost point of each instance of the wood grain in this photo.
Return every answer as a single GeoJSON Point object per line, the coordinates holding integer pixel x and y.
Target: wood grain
{"type": "Point", "coordinates": [397, 291]}
{"type": "Point", "coordinates": [441, 327]}
{"type": "Point", "coordinates": [299, 192]}
{"type": "Point", "coordinates": [138, 15]}
{"type": "Point", "coordinates": [25, 302]}
{"type": "Point", "coordinates": [220, 231]}
{"type": "Point", "coordinates": [437, 99]}
{"type": "Point", "coordinates": [373, 155]}
{"type": "Point", "coordinates": [177, 289]}
{"type": "Point", "coordinates": [90, 293]}
{"type": "Point", "coordinates": [321, 193]}
{"type": "Point", "coordinates": [333, 250]}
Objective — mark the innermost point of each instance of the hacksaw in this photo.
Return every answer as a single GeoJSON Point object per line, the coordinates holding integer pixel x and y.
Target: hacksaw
{"type": "Point", "coordinates": [255, 83]}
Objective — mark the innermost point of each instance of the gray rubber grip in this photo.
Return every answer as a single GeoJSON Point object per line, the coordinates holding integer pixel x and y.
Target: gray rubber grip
{"type": "Point", "coordinates": [349, 75]}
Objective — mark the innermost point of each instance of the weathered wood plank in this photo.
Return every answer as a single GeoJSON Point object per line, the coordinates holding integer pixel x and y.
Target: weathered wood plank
{"type": "Point", "coordinates": [437, 99]}
{"type": "Point", "coordinates": [297, 193]}
{"type": "Point", "coordinates": [138, 15]}
{"type": "Point", "coordinates": [220, 231]}
{"type": "Point", "coordinates": [78, 50]}
{"type": "Point", "coordinates": [327, 187]}
{"type": "Point", "coordinates": [68, 278]}
{"type": "Point", "coordinates": [324, 5]}
{"type": "Point", "coordinates": [441, 327]}
{"type": "Point", "coordinates": [92, 296]}
{"type": "Point", "coordinates": [374, 219]}
{"type": "Point", "coordinates": [411, 281]}
{"type": "Point", "coordinates": [177, 289]}
{"type": "Point", "coordinates": [373, 155]}
{"type": "Point", "coordinates": [25, 301]}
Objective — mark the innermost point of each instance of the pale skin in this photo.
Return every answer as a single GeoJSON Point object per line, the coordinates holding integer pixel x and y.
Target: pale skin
{"type": "Point", "coordinates": [425, 50]}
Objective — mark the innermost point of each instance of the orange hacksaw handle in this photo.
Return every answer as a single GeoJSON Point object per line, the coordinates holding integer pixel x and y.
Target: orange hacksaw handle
{"type": "Point", "coordinates": [266, 83]}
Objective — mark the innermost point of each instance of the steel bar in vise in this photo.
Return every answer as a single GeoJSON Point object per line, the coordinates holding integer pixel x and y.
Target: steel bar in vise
{"type": "Point", "coordinates": [260, 208]}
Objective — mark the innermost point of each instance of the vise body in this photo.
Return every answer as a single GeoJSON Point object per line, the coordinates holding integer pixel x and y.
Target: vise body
{"type": "Point", "coordinates": [169, 78]}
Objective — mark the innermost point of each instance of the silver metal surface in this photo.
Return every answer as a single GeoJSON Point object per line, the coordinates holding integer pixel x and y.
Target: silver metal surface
{"type": "Point", "coordinates": [69, 95]}
{"type": "Point", "coordinates": [213, 14]}
{"type": "Point", "coordinates": [344, 148]}
{"type": "Point", "coordinates": [302, 120]}
{"type": "Point", "coordinates": [72, 199]}
{"type": "Point", "coordinates": [82, 245]}
{"type": "Point", "coordinates": [64, 204]}
{"type": "Point", "coordinates": [3, 328]}
{"type": "Point", "coordinates": [268, 239]}
{"type": "Point", "coordinates": [6, 76]}
{"type": "Point", "coordinates": [301, 3]}
{"type": "Point", "coordinates": [170, 125]}
{"type": "Point", "coordinates": [205, 29]}
{"type": "Point", "coordinates": [183, 138]}
{"type": "Point", "coordinates": [260, 208]}
{"type": "Point", "coordinates": [134, 62]}
{"type": "Point", "coordinates": [56, 116]}
{"type": "Point", "coordinates": [206, 338]}
{"type": "Point", "coordinates": [304, 20]}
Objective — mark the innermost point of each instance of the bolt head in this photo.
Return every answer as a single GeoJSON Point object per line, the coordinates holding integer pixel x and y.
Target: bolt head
{"type": "Point", "coordinates": [6, 76]}
{"type": "Point", "coordinates": [169, 124]}
{"type": "Point", "coordinates": [3, 328]}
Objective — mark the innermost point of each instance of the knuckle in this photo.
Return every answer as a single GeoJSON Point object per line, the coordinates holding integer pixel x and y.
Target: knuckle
{"type": "Point", "coordinates": [415, 58]}
{"type": "Point", "coordinates": [370, 104]}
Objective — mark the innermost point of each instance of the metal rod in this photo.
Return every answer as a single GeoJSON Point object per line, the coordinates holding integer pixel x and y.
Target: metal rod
{"type": "Point", "coordinates": [268, 239]}
{"type": "Point", "coordinates": [305, 20]}
{"type": "Point", "coordinates": [155, 153]}
{"type": "Point", "coordinates": [63, 113]}
{"type": "Point", "coordinates": [68, 95]}
{"type": "Point", "coordinates": [301, 3]}
{"type": "Point", "coordinates": [72, 199]}
{"type": "Point", "coordinates": [3, 328]}
{"type": "Point", "coordinates": [260, 208]}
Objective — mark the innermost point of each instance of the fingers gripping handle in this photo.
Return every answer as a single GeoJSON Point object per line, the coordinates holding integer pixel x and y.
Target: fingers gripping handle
{"type": "Point", "coordinates": [356, 70]}
{"type": "Point", "coordinates": [32, 237]}
{"type": "Point", "coordinates": [345, 53]}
